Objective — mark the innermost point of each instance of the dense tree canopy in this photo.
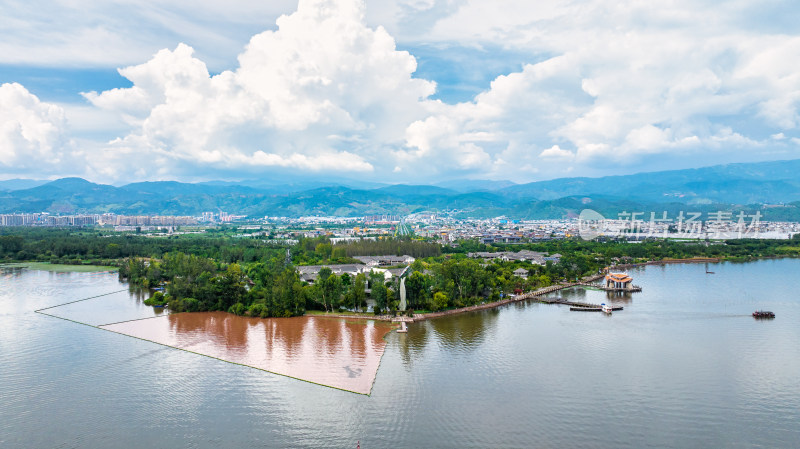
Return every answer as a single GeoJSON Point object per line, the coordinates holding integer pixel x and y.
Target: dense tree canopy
{"type": "Point", "coordinates": [247, 276]}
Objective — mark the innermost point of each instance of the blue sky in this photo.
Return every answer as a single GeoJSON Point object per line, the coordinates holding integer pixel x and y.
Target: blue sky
{"type": "Point", "coordinates": [413, 91]}
{"type": "Point", "coordinates": [62, 84]}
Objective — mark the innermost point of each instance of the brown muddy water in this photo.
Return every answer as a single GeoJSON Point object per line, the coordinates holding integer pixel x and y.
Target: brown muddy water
{"type": "Point", "coordinates": [339, 353]}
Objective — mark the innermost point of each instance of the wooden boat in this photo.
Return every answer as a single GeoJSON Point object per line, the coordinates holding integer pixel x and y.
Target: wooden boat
{"type": "Point", "coordinates": [763, 314]}
{"type": "Point", "coordinates": [584, 309]}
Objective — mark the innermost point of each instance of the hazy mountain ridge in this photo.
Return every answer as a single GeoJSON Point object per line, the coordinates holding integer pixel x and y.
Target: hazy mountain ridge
{"type": "Point", "coordinates": [761, 182]}
{"type": "Point", "coordinates": [695, 189]}
{"type": "Point", "coordinates": [19, 184]}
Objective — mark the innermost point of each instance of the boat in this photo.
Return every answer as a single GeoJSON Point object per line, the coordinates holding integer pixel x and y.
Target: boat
{"type": "Point", "coordinates": [584, 309]}
{"type": "Point", "coordinates": [606, 308]}
{"type": "Point", "coordinates": [763, 314]}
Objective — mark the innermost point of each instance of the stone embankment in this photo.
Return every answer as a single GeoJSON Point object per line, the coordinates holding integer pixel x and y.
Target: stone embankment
{"type": "Point", "coordinates": [525, 296]}
{"type": "Point", "coordinates": [665, 262]}
{"type": "Point", "coordinates": [534, 295]}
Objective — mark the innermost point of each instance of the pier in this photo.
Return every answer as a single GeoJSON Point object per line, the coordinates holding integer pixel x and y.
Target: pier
{"type": "Point", "coordinates": [593, 309]}
{"type": "Point", "coordinates": [536, 295]}
{"type": "Point", "coordinates": [575, 305]}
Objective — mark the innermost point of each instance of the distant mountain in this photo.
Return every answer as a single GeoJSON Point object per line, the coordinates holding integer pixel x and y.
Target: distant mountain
{"type": "Point", "coordinates": [472, 185]}
{"type": "Point", "coordinates": [174, 189]}
{"type": "Point", "coordinates": [20, 184]}
{"type": "Point", "coordinates": [64, 196]}
{"type": "Point", "coordinates": [298, 183]}
{"type": "Point", "coordinates": [403, 189]}
{"type": "Point", "coordinates": [697, 189]}
{"type": "Point", "coordinates": [763, 182]}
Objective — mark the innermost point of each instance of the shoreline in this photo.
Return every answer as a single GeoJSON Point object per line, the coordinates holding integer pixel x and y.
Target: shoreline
{"type": "Point", "coordinates": [489, 305]}
{"type": "Point", "coordinates": [525, 296]}
{"type": "Point", "coordinates": [517, 298]}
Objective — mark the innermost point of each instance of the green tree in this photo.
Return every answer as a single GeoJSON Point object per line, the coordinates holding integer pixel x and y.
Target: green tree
{"type": "Point", "coordinates": [324, 250]}
{"type": "Point", "coordinates": [359, 294]}
{"type": "Point", "coordinates": [463, 279]}
{"type": "Point", "coordinates": [439, 301]}
{"type": "Point", "coordinates": [229, 287]}
{"type": "Point", "coordinates": [417, 290]}
{"type": "Point", "coordinates": [381, 295]}
{"type": "Point", "coordinates": [332, 291]}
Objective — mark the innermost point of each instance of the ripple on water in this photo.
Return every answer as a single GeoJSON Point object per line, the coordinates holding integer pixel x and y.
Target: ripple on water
{"type": "Point", "coordinates": [682, 366]}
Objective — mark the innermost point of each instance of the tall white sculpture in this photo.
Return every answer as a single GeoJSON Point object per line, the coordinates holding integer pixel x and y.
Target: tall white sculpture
{"type": "Point", "coordinates": [402, 294]}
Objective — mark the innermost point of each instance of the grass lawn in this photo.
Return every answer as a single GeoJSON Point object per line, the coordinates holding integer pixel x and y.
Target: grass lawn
{"type": "Point", "coordinates": [46, 266]}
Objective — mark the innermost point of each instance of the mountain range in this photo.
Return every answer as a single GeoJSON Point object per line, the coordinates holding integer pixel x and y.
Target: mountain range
{"type": "Point", "coordinates": [750, 185]}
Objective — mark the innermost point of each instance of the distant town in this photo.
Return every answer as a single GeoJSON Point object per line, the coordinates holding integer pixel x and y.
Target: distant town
{"type": "Point", "coordinates": [442, 227]}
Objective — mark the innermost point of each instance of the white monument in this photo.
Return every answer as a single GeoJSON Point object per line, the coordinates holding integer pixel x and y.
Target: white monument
{"type": "Point", "coordinates": [402, 294]}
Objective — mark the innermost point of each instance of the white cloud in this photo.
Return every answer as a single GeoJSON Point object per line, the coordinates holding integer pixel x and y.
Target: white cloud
{"type": "Point", "coordinates": [322, 92]}
{"type": "Point", "coordinates": [31, 132]}
{"type": "Point", "coordinates": [555, 152]}
{"type": "Point", "coordinates": [343, 161]}
{"type": "Point", "coordinates": [119, 32]}
{"type": "Point", "coordinates": [610, 85]}
{"type": "Point", "coordinates": [626, 82]}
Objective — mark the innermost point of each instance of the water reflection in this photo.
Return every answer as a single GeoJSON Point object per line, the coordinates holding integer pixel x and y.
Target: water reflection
{"type": "Point", "coordinates": [462, 334]}
{"type": "Point", "coordinates": [468, 332]}
{"type": "Point", "coordinates": [10, 272]}
{"type": "Point", "coordinates": [139, 294]}
{"type": "Point", "coordinates": [619, 297]}
{"type": "Point", "coordinates": [684, 365]}
{"type": "Point", "coordinates": [339, 353]}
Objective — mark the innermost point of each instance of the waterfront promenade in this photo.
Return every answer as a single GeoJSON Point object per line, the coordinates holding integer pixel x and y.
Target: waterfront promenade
{"type": "Point", "coordinates": [533, 295]}
{"type": "Point", "coordinates": [536, 295]}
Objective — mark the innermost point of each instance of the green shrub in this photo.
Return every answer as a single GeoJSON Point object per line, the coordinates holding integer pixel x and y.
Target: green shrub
{"type": "Point", "coordinates": [237, 309]}
{"type": "Point", "coordinates": [158, 299]}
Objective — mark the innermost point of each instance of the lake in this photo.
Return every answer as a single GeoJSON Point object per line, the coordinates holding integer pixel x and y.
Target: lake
{"type": "Point", "coordinates": [683, 365]}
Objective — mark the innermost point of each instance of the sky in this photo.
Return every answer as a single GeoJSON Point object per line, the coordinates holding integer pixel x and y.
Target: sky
{"type": "Point", "coordinates": [394, 91]}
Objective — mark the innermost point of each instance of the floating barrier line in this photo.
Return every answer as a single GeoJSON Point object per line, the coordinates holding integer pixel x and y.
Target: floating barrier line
{"type": "Point", "coordinates": [40, 311]}
{"type": "Point", "coordinates": [77, 300]}
{"type": "Point", "coordinates": [135, 319]}
{"type": "Point", "coordinates": [66, 319]}
{"type": "Point", "coordinates": [204, 355]}
{"type": "Point", "coordinates": [227, 361]}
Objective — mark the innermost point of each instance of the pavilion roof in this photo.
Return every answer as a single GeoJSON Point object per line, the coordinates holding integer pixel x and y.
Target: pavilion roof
{"type": "Point", "coordinates": [619, 277]}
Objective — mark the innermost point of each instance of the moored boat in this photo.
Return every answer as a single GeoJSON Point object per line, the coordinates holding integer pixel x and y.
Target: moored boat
{"type": "Point", "coordinates": [763, 314]}
{"type": "Point", "coordinates": [606, 308]}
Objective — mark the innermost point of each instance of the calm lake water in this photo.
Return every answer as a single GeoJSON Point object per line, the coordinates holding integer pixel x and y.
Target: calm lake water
{"type": "Point", "coordinates": [684, 365]}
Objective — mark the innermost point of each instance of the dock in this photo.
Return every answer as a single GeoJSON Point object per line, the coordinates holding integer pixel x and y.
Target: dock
{"type": "Point", "coordinates": [574, 305]}
{"type": "Point", "coordinates": [593, 309]}
{"type": "Point", "coordinates": [536, 296]}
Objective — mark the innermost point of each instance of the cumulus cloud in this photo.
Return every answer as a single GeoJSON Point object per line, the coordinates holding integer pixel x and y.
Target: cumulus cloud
{"type": "Point", "coordinates": [609, 85]}
{"type": "Point", "coordinates": [31, 132]}
{"type": "Point", "coordinates": [322, 92]}
{"type": "Point", "coordinates": [626, 82]}
{"type": "Point", "coordinates": [555, 152]}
